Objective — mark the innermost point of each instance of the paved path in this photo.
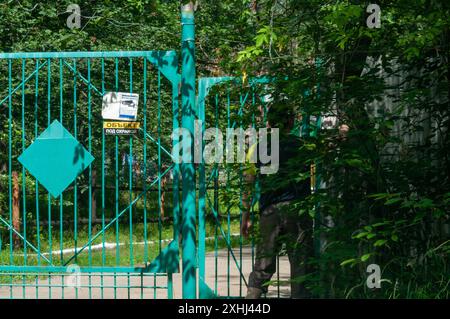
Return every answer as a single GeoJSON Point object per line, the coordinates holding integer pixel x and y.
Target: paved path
{"type": "Point", "coordinates": [148, 282]}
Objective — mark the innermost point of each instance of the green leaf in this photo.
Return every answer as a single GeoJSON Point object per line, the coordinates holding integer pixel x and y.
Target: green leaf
{"type": "Point", "coordinates": [379, 224]}
{"type": "Point", "coordinates": [355, 162]}
{"type": "Point", "coordinates": [361, 235]}
{"type": "Point", "coordinates": [365, 257]}
{"type": "Point", "coordinates": [392, 201]}
{"type": "Point", "coordinates": [380, 242]}
{"type": "Point", "coordinates": [371, 235]}
{"type": "Point", "coordinates": [260, 39]}
{"type": "Point", "coordinates": [348, 261]}
{"type": "Point", "coordinates": [425, 203]}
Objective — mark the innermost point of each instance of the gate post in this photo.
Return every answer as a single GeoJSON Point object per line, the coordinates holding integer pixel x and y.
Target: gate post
{"type": "Point", "coordinates": [187, 167]}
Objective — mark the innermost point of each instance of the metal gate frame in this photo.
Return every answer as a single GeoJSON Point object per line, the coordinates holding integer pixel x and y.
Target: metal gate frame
{"type": "Point", "coordinates": [306, 127]}
{"type": "Point", "coordinates": [183, 84]}
{"type": "Point", "coordinates": [166, 63]}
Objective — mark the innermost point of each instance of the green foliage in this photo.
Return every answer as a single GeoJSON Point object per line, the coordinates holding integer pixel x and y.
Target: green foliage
{"type": "Point", "coordinates": [384, 192]}
{"type": "Point", "coordinates": [384, 196]}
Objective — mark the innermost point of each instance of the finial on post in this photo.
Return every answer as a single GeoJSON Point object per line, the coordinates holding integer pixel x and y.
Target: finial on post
{"type": "Point", "coordinates": [189, 7]}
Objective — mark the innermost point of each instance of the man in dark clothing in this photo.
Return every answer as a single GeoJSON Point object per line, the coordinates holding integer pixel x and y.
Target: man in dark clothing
{"type": "Point", "coordinates": [279, 222]}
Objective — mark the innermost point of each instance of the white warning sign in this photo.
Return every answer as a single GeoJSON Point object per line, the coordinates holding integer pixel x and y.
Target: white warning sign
{"type": "Point", "coordinates": [120, 106]}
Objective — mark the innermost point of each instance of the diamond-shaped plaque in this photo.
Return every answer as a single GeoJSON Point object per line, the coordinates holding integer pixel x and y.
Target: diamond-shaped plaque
{"type": "Point", "coordinates": [55, 158]}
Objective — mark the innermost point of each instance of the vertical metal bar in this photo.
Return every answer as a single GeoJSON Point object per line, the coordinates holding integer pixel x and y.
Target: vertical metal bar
{"type": "Point", "coordinates": [75, 186]}
{"type": "Point", "coordinates": [75, 213]}
{"type": "Point", "coordinates": [242, 101]}
{"type": "Point", "coordinates": [216, 205]}
{"type": "Point", "coordinates": [50, 242]}
{"type": "Point", "coordinates": [24, 194]}
{"type": "Point", "coordinates": [61, 247]}
{"type": "Point", "coordinates": [103, 185]}
{"type": "Point", "coordinates": [187, 167]}
{"type": "Point", "coordinates": [201, 205]}
{"type": "Point", "coordinates": [169, 286]}
{"type": "Point", "coordinates": [159, 161]}
{"type": "Point", "coordinates": [11, 260]}
{"type": "Point", "coordinates": [116, 63]}
{"type": "Point", "coordinates": [90, 173]}
{"type": "Point", "coordinates": [252, 212]}
{"type": "Point", "coordinates": [145, 163]}
{"type": "Point", "coordinates": [142, 284]}
{"type": "Point", "coordinates": [216, 257]}
{"type": "Point", "coordinates": [131, 162]}
{"type": "Point", "coordinates": [158, 111]}
{"type": "Point", "coordinates": [145, 173]}
{"type": "Point", "coordinates": [175, 182]}
{"type": "Point", "coordinates": [36, 183]}
{"type": "Point", "coordinates": [229, 206]}
{"type": "Point", "coordinates": [130, 184]}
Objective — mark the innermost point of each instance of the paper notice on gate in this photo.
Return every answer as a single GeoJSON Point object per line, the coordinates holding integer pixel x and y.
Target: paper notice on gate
{"type": "Point", "coordinates": [120, 106]}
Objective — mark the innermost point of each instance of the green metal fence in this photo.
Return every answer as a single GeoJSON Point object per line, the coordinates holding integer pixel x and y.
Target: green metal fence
{"type": "Point", "coordinates": [109, 228]}
{"type": "Point", "coordinates": [225, 257]}
{"type": "Point", "coordinates": [220, 191]}
{"type": "Point", "coordinates": [90, 215]}
{"type": "Point", "coordinates": [226, 102]}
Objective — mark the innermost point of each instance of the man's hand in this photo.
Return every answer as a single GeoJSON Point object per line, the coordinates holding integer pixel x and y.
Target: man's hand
{"type": "Point", "coordinates": [246, 225]}
{"type": "Point", "coordinates": [343, 131]}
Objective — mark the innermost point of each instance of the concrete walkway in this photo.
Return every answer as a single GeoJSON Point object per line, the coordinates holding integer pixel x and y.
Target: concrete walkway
{"type": "Point", "coordinates": [142, 287]}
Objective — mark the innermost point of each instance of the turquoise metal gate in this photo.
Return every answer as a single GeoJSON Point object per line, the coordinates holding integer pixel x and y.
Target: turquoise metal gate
{"type": "Point", "coordinates": [227, 103]}
{"type": "Point", "coordinates": [86, 215]}
{"type": "Point", "coordinates": [225, 257]}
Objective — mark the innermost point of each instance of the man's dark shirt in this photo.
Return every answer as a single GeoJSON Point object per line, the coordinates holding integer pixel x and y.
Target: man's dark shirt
{"type": "Point", "coordinates": [285, 185]}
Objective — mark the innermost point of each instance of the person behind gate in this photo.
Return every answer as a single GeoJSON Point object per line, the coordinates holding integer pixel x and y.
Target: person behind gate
{"type": "Point", "coordinates": [279, 222]}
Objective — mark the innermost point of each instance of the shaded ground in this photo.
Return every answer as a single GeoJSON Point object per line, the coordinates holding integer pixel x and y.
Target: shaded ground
{"type": "Point", "coordinates": [137, 287]}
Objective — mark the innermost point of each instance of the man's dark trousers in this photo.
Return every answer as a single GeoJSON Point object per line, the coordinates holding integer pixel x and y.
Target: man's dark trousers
{"type": "Point", "coordinates": [277, 226]}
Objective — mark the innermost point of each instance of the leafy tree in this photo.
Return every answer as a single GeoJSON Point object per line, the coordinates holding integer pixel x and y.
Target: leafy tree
{"type": "Point", "coordinates": [379, 203]}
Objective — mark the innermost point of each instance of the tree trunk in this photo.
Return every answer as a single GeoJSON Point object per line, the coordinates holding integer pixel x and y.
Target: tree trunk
{"type": "Point", "coordinates": [16, 210]}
